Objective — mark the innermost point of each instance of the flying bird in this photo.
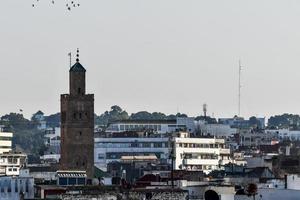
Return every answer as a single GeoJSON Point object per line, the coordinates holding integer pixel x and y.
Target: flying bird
{"type": "Point", "coordinates": [69, 3]}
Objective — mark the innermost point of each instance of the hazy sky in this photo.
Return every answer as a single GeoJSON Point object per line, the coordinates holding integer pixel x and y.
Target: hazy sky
{"type": "Point", "coordinates": [155, 55]}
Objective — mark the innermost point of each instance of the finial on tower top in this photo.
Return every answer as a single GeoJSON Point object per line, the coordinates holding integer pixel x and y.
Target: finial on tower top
{"type": "Point", "coordinates": [77, 55]}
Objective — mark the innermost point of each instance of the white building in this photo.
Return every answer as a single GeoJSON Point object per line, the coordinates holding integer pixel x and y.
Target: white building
{"type": "Point", "coordinates": [40, 118]}
{"type": "Point", "coordinates": [293, 181]}
{"type": "Point", "coordinates": [11, 163]}
{"type": "Point", "coordinates": [190, 153]}
{"type": "Point", "coordinates": [158, 126]}
{"type": "Point", "coordinates": [217, 130]}
{"type": "Point", "coordinates": [52, 141]}
{"type": "Point", "coordinates": [204, 154]}
{"type": "Point", "coordinates": [285, 134]}
{"type": "Point", "coordinates": [112, 149]}
{"type": "Point", "coordinates": [5, 141]}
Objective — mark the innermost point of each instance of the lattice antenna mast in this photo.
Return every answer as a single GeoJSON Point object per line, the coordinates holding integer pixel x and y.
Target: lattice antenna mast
{"type": "Point", "coordinates": [239, 87]}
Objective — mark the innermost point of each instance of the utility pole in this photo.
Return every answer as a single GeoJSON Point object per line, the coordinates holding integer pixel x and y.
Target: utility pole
{"type": "Point", "coordinates": [172, 156]}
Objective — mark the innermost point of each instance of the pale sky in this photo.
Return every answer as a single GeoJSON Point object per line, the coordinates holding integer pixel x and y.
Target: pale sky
{"type": "Point", "coordinates": [154, 55]}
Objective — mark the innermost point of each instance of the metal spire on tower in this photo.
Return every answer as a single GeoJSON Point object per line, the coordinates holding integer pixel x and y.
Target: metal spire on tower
{"type": "Point", "coordinates": [77, 55]}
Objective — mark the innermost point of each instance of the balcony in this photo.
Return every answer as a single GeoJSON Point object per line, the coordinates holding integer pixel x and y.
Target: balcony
{"type": "Point", "coordinates": [200, 161]}
{"type": "Point", "coordinates": [224, 151]}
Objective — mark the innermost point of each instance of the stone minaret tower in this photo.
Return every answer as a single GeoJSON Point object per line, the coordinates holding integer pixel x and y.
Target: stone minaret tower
{"type": "Point", "coordinates": [77, 124]}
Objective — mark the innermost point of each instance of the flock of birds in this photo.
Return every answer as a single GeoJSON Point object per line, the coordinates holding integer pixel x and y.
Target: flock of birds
{"type": "Point", "coordinates": [70, 4]}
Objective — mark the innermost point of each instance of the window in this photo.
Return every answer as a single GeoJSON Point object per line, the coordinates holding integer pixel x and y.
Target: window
{"type": "Point", "coordinates": [62, 181]}
{"type": "Point", "coordinates": [21, 188]}
{"type": "Point", "coordinates": [74, 116]}
{"type": "Point", "coordinates": [80, 181]}
{"type": "Point", "coordinates": [80, 133]}
{"type": "Point", "coordinates": [79, 90]}
{"type": "Point", "coordinates": [27, 186]}
{"type": "Point", "coordinates": [146, 144]}
{"type": "Point", "coordinates": [135, 144]}
{"type": "Point", "coordinates": [9, 186]}
{"type": "Point", "coordinates": [2, 186]}
{"type": "Point", "coordinates": [16, 186]}
{"type": "Point", "coordinates": [72, 181]}
{"type": "Point", "coordinates": [157, 144]}
{"type": "Point", "coordinates": [80, 115]}
{"type": "Point", "coordinates": [14, 169]}
{"type": "Point", "coordinates": [101, 156]}
{"type": "Point", "coordinates": [159, 127]}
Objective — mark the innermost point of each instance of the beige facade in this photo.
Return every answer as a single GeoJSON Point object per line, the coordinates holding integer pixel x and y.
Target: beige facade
{"type": "Point", "coordinates": [5, 142]}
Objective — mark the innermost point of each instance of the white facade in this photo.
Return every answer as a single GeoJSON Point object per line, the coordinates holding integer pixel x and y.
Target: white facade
{"type": "Point", "coordinates": [158, 126]}
{"type": "Point", "coordinates": [11, 163]}
{"type": "Point", "coordinates": [50, 134]}
{"type": "Point", "coordinates": [217, 130]}
{"type": "Point", "coordinates": [5, 141]}
{"type": "Point", "coordinates": [52, 141]}
{"type": "Point", "coordinates": [284, 134]}
{"type": "Point", "coordinates": [107, 150]}
{"type": "Point", "coordinates": [293, 182]}
{"type": "Point", "coordinates": [188, 122]}
{"type": "Point", "coordinates": [204, 154]}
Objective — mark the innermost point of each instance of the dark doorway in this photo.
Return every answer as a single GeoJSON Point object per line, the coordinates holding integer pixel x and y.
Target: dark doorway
{"type": "Point", "coordinates": [211, 195]}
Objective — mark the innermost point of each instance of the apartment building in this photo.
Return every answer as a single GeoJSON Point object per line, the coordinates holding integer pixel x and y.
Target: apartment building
{"type": "Point", "coordinates": [204, 154]}
{"type": "Point", "coordinates": [5, 141]}
{"type": "Point", "coordinates": [11, 163]}
{"type": "Point", "coordinates": [157, 126]}
{"type": "Point", "coordinates": [111, 149]}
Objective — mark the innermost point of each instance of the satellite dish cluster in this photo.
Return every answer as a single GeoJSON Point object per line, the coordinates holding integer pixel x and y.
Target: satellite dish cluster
{"type": "Point", "coordinates": [70, 4]}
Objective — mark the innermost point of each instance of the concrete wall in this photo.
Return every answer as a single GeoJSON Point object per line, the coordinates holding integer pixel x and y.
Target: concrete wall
{"type": "Point", "coordinates": [129, 196]}
{"type": "Point", "coordinates": [272, 194]}
{"type": "Point", "coordinates": [293, 182]}
{"type": "Point", "coordinates": [88, 197]}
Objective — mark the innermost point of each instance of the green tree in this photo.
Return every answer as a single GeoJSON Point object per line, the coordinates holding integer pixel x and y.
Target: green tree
{"type": "Point", "coordinates": [116, 113]}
